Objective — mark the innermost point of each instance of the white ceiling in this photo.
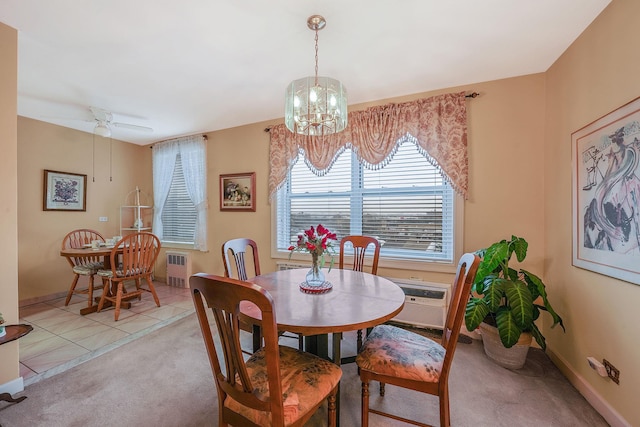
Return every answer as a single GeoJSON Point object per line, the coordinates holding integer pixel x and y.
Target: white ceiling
{"type": "Point", "coordinates": [191, 66]}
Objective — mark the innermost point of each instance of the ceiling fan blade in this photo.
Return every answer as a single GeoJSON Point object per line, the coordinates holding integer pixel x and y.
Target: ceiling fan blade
{"type": "Point", "coordinates": [100, 114]}
{"type": "Point", "coordinates": [132, 127]}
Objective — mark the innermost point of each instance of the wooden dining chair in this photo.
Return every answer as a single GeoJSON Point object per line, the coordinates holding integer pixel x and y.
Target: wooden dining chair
{"type": "Point", "coordinates": [139, 253]}
{"type": "Point", "coordinates": [82, 266]}
{"type": "Point", "coordinates": [236, 250]}
{"type": "Point", "coordinates": [235, 255]}
{"type": "Point", "coordinates": [277, 385]}
{"type": "Point", "coordinates": [359, 244]}
{"type": "Point", "coordinates": [393, 355]}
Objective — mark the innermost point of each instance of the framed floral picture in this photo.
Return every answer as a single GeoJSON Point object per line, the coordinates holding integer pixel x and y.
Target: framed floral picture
{"type": "Point", "coordinates": [238, 192]}
{"type": "Point", "coordinates": [64, 191]}
{"type": "Point", "coordinates": [606, 194]}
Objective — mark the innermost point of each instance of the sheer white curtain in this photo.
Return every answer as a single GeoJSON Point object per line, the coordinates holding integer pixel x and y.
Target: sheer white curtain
{"type": "Point", "coordinates": [164, 161]}
{"type": "Point", "coordinates": [192, 150]}
{"type": "Point", "coordinates": [193, 154]}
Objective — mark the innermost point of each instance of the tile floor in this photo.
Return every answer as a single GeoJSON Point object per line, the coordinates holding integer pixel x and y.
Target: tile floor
{"type": "Point", "coordinates": [62, 338]}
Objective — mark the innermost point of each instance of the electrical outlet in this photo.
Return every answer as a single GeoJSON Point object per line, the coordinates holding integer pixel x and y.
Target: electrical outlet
{"type": "Point", "coordinates": [103, 219]}
{"type": "Point", "coordinates": [613, 373]}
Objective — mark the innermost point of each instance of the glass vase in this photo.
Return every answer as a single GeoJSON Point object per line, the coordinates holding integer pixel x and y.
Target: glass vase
{"type": "Point", "coordinates": [315, 276]}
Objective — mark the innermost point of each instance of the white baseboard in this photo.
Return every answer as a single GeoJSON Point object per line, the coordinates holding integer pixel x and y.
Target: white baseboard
{"type": "Point", "coordinates": [13, 386]}
{"type": "Point", "coordinates": [603, 407]}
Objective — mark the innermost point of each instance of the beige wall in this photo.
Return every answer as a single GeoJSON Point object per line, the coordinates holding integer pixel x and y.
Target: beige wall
{"type": "Point", "coordinates": [8, 195]}
{"type": "Point", "coordinates": [596, 75]}
{"type": "Point", "coordinates": [506, 123]}
{"type": "Point", "coordinates": [42, 271]}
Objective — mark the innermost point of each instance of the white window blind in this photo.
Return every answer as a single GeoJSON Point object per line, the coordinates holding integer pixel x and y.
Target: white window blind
{"type": "Point", "coordinates": [407, 204]}
{"type": "Point", "coordinates": [179, 214]}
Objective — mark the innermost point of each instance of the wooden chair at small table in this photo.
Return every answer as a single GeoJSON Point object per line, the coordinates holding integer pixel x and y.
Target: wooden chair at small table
{"type": "Point", "coordinates": [139, 253]}
{"type": "Point", "coordinates": [82, 266]}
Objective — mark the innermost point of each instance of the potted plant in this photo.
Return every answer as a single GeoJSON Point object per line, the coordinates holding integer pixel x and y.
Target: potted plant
{"type": "Point", "coordinates": [510, 300]}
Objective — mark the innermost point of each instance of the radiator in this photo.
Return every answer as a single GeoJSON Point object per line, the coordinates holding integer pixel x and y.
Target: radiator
{"type": "Point", "coordinates": [425, 303]}
{"type": "Point", "coordinates": [178, 269]}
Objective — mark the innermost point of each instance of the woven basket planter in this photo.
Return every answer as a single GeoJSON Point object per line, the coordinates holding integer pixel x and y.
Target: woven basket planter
{"type": "Point", "coordinates": [510, 358]}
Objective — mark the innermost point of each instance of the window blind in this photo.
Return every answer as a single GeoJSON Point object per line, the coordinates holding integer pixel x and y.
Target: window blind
{"type": "Point", "coordinates": [179, 214]}
{"type": "Point", "coordinates": [406, 204]}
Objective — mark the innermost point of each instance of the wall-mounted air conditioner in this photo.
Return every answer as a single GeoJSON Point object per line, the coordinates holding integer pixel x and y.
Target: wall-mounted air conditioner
{"type": "Point", "coordinates": [178, 269]}
{"type": "Point", "coordinates": [425, 303]}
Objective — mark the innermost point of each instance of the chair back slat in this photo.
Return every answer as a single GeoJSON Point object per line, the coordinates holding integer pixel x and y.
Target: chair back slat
{"type": "Point", "coordinates": [77, 239]}
{"type": "Point", "coordinates": [139, 254]}
{"type": "Point", "coordinates": [242, 267]}
{"type": "Point", "coordinates": [236, 249]}
{"type": "Point", "coordinates": [360, 245]}
{"type": "Point", "coordinates": [223, 296]}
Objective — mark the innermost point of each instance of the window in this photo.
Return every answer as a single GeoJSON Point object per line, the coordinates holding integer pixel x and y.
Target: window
{"type": "Point", "coordinates": [179, 214]}
{"type": "Point", "coordinates": [179, 192]}
{"type": "Point", "coordinates": [406, 204]}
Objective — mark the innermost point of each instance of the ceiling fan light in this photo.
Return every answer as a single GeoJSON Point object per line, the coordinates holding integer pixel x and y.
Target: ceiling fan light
{"type": "Point", "coordinates": [102, 130]}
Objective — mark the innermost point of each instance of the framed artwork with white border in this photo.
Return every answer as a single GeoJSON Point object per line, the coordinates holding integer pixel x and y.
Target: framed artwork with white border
{"type": "Point", "coordinates": [64, 191]}
{"type": "Point", "coordinates": [606, 194]}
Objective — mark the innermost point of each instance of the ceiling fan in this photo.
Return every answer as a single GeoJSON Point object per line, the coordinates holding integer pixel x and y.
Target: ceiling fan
{"type": "Point", "coordinates": [104, 121]}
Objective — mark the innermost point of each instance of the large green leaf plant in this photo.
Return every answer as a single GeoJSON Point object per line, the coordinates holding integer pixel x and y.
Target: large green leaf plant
{"type": "Point", "coordinates": [509, 299]}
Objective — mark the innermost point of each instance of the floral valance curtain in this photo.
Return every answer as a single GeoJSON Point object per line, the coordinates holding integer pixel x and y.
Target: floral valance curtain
{"type": "Point", "coordinates": [438, 123]}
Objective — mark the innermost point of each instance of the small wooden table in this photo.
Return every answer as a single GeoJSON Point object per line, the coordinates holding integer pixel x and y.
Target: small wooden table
{"type": "Point", "coordinates": [13, 332]}
{"type": "Point", "coordinates": [105, 253]}
{"type": "Point", "coordinates": [357, 301]}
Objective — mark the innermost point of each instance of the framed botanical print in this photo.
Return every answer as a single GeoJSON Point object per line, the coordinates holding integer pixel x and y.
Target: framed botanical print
{"type": "Point", "coordinates": [64, 191]}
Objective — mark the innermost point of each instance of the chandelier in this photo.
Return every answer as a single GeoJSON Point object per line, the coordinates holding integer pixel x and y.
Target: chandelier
{"type": "Point", "coordinates": [316, 105]}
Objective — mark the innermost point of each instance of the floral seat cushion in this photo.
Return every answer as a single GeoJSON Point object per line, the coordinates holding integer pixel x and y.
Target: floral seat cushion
{"type": "Point", "coordinates": [119, 272]}
{"type": "Point", "coordinates": [400, 353]}
{"type": "Point", "coordinates": [306, 380]}
{"type": "Point", "coordinates": [88, 268]}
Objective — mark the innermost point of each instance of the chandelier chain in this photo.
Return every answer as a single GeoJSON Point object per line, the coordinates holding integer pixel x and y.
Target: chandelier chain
{"type": "Point", "coordinates": [316, 81]}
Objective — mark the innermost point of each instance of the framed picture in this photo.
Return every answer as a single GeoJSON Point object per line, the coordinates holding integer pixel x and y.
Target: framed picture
{"type": "Point", "coordinates": [238, 192]}
{"type": "Point", "coordinates": [606, 194]}
{"type": "Point", "coordinates": [64, 191]}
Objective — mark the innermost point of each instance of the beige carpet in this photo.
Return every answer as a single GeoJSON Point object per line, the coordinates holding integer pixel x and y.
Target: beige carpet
{"type": "Point", "coordinates": [163, 379]}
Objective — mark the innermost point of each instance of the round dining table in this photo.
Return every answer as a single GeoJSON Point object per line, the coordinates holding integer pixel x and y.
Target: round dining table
{"type": "Point", "coordinates": [356, 300]}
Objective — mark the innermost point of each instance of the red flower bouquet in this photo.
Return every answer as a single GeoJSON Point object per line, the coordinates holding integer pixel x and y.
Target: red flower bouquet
{"type": "Point", "coordinates": [318, 242]}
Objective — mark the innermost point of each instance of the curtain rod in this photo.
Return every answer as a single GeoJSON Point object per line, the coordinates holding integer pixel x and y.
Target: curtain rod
{"type": "Point", "coordinates": [206, 138]}
{"type": "Point", "coordinates": [471, 95]}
